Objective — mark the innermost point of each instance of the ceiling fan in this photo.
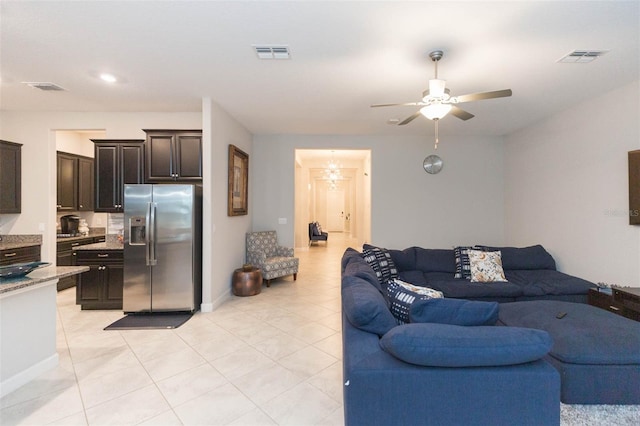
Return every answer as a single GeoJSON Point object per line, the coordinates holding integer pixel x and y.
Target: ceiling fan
{"type": "Point", "coordinates": [437, 102]}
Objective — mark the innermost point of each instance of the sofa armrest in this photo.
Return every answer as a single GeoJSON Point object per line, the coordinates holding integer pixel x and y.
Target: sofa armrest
{"type": "Point", "coordinates": [284, 251]}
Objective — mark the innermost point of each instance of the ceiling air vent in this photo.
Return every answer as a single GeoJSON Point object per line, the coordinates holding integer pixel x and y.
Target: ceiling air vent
{"type": "Point", "coordinates": [582, 56]}
{"type": "Point", "coordinates": [47, 87]}
{"type": "Point", "coordinates": [272, 52]}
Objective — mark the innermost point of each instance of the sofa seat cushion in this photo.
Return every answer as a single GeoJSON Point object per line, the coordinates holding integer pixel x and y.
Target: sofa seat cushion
{"type": "Point", "coordinates": [464, 289]}
{"type": "Point", "coordinates": [543, 282]}
{"type": "Point", "coordinates": [414, 277]}
{"type": "Point", "coordinates": [454, 312]}
{"type": "Point", "coordinates": [280, 262]}
{"type": "Point", "coordinates": [585, 335]}
{"type": "Point", "coordinates": [365, 307]}
{"type": "Point", "coordinates": [441, 345]}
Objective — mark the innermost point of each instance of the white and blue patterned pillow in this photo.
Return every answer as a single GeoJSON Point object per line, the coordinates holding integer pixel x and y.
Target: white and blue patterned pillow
{"type": "Point", "coordinates": [401, 295]}
{"type": "Point", "coordinates": [463, 268]}
{"type": "Point", "coordinates": [380, 260]}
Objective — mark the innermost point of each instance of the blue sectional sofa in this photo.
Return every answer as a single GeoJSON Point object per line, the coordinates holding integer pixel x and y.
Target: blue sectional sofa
{"type": "Point", "coordinates": [456, 369]}
{"type": "Point", "coordinates": [530, 272]}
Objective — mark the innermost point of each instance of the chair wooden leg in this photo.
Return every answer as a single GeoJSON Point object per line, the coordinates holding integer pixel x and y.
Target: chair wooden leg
{"type": "Point", "coordinates": [295, 276]}
{"type": "Point", "coordinates": [268, 282]}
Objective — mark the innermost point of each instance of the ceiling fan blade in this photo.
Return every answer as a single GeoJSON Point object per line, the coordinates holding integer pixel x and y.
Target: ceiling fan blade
{"type": "Point", "coordinates": [460, 113]}
{"type": "Point", "coordinates": [405, 104]}
{"type": "Point", "coordinates": [409, 119]}
{"type": "Point", "coordinates": [484, 95]}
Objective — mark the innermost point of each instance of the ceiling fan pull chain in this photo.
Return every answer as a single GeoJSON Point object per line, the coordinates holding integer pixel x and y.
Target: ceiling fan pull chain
{"type": "Point", "coordinates": [436, 145]}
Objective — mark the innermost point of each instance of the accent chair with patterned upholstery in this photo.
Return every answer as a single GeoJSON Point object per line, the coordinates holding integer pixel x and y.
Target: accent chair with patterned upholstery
{"type": "Point", "coordinates": [273, 260]}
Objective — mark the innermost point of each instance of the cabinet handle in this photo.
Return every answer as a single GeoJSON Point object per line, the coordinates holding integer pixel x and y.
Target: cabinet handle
{"type": "Point", "coordinates": [103, 255]}
{"type": "Point", "coordinates": [10, 254]}
{"type": "Point", "coordinates": [75, 244]}
{"type": "Point", "coordinates": [614, 308]}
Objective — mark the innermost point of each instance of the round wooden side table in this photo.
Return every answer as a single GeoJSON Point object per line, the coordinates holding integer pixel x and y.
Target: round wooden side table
{"type": "Point", "coordinates": [247, 281]}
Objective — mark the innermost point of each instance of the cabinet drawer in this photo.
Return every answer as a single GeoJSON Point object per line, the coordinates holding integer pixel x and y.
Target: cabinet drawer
{"type": "Point", "coordinates": [93, 257]}
{"type": "Point", "coordinates": [20, 255]}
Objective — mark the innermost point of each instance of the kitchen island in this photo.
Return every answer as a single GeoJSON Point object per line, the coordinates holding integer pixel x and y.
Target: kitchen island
{"type": "Point", "coordinates": [28, 325]}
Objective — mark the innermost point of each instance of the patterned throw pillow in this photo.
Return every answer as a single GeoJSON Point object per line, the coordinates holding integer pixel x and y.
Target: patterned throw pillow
{"type": "Point", "coordinates": [381, 262]}
{"type": "Point", "coordinates": [486, 266]}
{"type": "Point", "coordinates": [462, 262]}
{"type": "Point", "coordinates": [401, 296]}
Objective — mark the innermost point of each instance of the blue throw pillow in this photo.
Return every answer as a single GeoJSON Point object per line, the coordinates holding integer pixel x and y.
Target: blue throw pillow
{"type": "Point", "coordinates": [440, 345]}
{"type": "Point", "coordinates": [463, 266]}
{"type": "Point", "coordinates": [381, 262]}
{"type": "Point", "coordinates": [401, 296]}
{"type": "Point", "coordinates": [365, 307]}
{"type": "Point", "coordinates": [455, 312]}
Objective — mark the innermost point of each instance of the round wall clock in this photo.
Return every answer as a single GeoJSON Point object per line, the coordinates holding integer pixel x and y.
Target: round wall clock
{"type": "Point", "coordinates": [432, 164]}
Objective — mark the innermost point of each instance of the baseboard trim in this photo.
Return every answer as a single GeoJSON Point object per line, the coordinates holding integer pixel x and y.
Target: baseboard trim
{"type": "Point", "coordinates": [24, 377]}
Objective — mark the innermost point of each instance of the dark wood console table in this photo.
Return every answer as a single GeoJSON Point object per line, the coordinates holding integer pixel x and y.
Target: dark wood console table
{"type": "Point", "coordinates": [621, 301]}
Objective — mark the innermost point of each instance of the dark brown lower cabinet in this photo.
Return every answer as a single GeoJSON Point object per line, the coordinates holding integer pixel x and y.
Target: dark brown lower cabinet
{"type": "Point", "coordinates": [101, 286]}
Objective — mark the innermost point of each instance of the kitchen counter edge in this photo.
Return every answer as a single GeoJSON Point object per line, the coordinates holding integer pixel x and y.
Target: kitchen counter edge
{"type": "Point", "coordinates": [39, 276]}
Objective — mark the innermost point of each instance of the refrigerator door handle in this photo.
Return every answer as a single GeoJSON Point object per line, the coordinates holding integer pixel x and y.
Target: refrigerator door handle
{"type": "Point", "coordinates": [152, 237]}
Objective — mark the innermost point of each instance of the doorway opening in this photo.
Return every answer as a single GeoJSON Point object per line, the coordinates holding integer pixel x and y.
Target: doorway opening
{"type": "Point", "coordinates": [333, 188]}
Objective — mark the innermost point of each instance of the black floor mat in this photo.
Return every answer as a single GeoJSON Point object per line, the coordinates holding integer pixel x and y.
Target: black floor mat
{"type": "Point", "coordinates": [150, 321]}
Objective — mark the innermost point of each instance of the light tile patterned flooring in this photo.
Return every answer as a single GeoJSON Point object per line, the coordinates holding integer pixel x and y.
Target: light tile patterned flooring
{"type": "Point", "coordinates": [269, 359]}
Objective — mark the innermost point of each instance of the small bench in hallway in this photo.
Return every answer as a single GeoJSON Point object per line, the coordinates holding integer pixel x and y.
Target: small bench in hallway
{"type": "Point", "coordinates": [596, 352]}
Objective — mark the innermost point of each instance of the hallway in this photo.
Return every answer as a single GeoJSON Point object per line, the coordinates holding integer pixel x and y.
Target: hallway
{"type": "Point", "coordinates": [269, 359]}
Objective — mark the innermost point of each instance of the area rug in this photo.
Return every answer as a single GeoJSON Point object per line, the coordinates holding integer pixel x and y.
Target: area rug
{"type": "Point", "coordinates": [148, 321]}
{"type": "Point", "coordinates": [599, 415]}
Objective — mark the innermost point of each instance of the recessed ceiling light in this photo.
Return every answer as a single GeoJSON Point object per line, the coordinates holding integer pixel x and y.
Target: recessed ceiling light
{"type": "Point", "coordinates": [109, 78]}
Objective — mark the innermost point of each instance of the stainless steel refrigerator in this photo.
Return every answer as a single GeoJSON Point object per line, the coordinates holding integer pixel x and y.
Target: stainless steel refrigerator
{"type": "Point", "coordinates": [162, 248]}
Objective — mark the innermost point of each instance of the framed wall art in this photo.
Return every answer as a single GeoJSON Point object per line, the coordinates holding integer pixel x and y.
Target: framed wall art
{"type": "Point", "coordinates": [238, 182]}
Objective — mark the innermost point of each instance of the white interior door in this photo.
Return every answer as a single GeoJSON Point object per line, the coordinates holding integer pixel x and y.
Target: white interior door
{"type": "Point", "coordinates": [335, 210]}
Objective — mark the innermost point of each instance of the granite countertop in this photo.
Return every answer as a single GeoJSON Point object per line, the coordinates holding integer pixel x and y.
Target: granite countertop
{"type": "Point", "coordinates": [39, 276]}
{"type": "Point", "coordinates": [109, 245]}
{"type": "Point", "coordinates": [10, 242]}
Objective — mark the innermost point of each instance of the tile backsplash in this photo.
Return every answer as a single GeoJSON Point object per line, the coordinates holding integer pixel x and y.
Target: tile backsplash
{"type": "Point", "coordinates": [115, 224]}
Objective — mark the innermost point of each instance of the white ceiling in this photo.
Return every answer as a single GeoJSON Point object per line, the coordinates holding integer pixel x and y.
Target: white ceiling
{"type": "Point", "coordinates": [345, 55]}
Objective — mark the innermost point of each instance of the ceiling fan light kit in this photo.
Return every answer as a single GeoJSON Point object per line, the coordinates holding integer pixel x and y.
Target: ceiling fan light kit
{"type": "Point", "coordinates": [437, 102]}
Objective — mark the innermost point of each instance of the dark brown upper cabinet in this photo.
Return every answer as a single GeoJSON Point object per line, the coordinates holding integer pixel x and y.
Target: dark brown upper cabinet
{"type": "Point", "coordinates": [117, 162]}
{"type": "Point", "coordinates": [74, 182]}
{"type": "Point", "coordinates": [173, 155]}
{"type": "Point", "coordinates": [10, 177]}
{"type": "Point", "coordinates": [67, 182]}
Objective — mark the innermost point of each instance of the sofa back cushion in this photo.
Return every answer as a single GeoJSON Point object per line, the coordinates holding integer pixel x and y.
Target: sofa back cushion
{"type": "Point", "coordinates": [454, 312]}
{"type": "Point", "coordinates": [435, 260]}
{"type": "Point", "coordinates": [364, 306]}
{"type": "Point", "coordinates": [355, 265]}
{"type": "Point", "coordinates": [524, 258]}
{"type": "Point", "coordinates": [443, 345]}
{"type": "Point", "coordinates": [405, 260]}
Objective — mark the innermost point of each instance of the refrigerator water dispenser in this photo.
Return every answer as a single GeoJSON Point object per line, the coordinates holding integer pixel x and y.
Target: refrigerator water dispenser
{"type": "Point", "coordinates": [137, 230]}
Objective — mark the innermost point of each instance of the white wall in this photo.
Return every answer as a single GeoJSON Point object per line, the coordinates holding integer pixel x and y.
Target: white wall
{"type": "Point", "coordinates": [566, 187]}
{"type": "Point", "coordinates": [461, 205]}
{"type": "Point", "coordinates": [225, 234]}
